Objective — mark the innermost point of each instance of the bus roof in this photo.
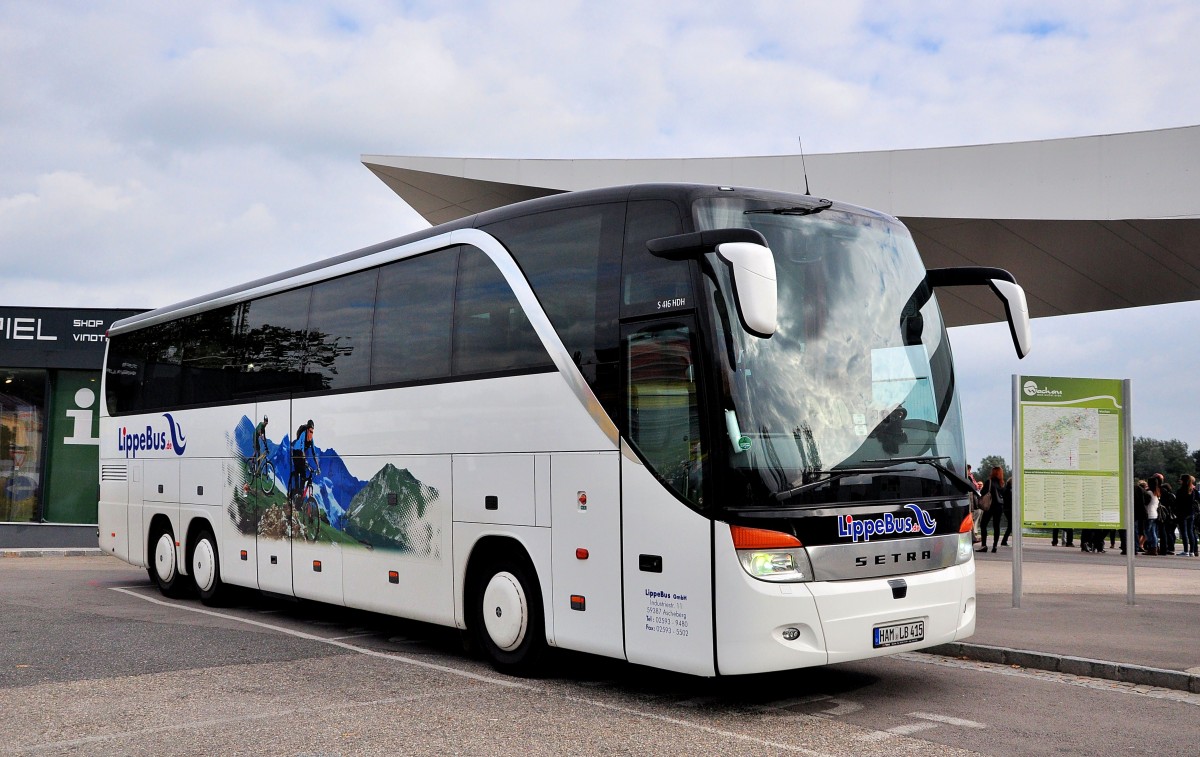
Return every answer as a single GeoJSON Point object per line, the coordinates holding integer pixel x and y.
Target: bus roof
{"type": "Point", "coordinates": [680, 193]}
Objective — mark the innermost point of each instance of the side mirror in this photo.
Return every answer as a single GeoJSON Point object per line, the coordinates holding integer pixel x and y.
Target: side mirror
{"type": "Point", "coordinates": [754, 285]}
{"type": "Point", "coordinates": [1006, 288]}
{"type": "Point", "coordinates": [749, 258]}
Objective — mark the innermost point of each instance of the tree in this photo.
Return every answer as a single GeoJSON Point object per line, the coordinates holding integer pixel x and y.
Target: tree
{"type": "Point", "coordinates": [1170, 458]}
{"type": "Point", "coordinates": [991, 461]}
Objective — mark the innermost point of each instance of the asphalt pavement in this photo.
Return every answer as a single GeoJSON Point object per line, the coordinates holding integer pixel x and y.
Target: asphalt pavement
{"type": "Point", "coordinates": [1073, 615]}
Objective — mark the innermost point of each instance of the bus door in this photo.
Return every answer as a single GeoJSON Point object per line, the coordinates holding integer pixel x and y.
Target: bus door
{"type": "Point", "coordinates": [667, 545]}
{"type": "Point", "coordinates": [270, 517]}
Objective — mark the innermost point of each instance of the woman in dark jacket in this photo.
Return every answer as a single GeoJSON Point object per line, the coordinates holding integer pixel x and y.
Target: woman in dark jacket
{"type": "Point", "coordinates": [1001, 503]}
{"type": "Point", "coordinates": [1186, 504]}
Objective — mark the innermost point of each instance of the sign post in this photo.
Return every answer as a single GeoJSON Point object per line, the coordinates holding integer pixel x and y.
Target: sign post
{"type": "Point", "coordinates": [1074, 459]}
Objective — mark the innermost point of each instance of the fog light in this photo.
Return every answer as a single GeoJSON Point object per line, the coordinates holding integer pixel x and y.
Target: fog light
{"type": "Point", "coordinates": [791, 634]}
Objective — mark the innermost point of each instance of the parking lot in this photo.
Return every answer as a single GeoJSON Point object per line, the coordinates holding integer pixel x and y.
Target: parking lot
{"type": "Point", "coordinates": [97, 661]}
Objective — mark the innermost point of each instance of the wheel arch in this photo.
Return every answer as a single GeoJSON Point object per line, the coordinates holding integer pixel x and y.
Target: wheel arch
{"type": "Point", "coordinates": [195, 526]}
{"type": "Point", "coordinates": [493, 547]}
{"type": "Point", "coordinates": [160, 523]}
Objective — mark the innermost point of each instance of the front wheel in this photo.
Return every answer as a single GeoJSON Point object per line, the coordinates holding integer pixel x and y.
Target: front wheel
{"type": "Point", "coordinates": [163, 568]}
{"type": "Point", "coordinates": [267, 477]}
{"type": "Point", "coordinates": [206, 569]}
{"type": "Point", "coordinates": [506, 617]}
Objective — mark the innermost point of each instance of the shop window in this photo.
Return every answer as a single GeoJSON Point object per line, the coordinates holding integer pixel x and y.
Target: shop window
{"type": "Point", "coordinates": [22, 440]}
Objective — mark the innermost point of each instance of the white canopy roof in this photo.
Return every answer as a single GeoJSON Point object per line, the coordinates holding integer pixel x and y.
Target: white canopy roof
{"type": "Point", "coordinates": [1085, 224]}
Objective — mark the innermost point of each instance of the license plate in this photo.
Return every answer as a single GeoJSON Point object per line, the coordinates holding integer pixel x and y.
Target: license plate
{"type": "Point", "coordinates": [899, 633]}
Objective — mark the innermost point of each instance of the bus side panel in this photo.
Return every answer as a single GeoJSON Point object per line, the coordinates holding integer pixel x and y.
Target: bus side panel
{"type": "Point", "coordinates": [136, 516]}
{"type": "Point", "coordinates": [161, 496]}
{"type": "Point", "coordinates": [317, 571]}
{"type": "Point", "coordinates": [112, 513]}
{"type": "Point", "coordinates": [401, 525]}
{"type": "Point", "coordinates": [667, 559]}
{"type": "Point", "coordinates": [585, 493]}
{"type": "Point", "coordinates": [377, 511]}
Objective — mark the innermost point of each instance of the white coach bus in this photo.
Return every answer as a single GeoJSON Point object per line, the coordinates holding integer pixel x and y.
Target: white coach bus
{"type": "Point", "coordinates": [705, 429]}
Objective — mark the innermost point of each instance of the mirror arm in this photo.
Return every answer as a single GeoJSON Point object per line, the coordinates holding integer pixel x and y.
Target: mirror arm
{"type": "Point", "coordinates": [688, 246]}
{"type": "Point", "coordinates": [1003, 284]}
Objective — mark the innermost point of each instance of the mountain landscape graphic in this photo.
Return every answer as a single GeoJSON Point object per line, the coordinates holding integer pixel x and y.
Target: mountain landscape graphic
{"type": "Point", "coordinates": [388, 512]}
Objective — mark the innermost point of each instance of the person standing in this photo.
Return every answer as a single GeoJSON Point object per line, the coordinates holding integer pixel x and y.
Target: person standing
{"type": "Point", "coordinates": [1153, 498]}
{"type": "Point", "coordinates": [976, 513]}
{"type": "Point", "coordinates": [1166, 520]}
{"type": "Point", "coordinates": [995, 487]}
{"type": "Point", "coordinates": [1139, 516]}
{"type": "Point", "coordinates": [1186, 504]}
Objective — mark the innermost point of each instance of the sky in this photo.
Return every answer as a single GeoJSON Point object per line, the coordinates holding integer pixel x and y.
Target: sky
{"type": "Point", "coordinates": [151, 152]}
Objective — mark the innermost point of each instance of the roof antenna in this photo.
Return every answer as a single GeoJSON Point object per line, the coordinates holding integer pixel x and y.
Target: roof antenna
{"type": "Point", "coordinates": [803, 166]}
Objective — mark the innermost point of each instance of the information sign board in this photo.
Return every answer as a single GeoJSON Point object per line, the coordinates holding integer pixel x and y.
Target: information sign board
{"type": "Point", "coordinates": [1072, 435]}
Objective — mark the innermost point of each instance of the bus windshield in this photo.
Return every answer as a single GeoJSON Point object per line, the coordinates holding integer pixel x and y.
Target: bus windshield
{"type": "Point", "coordinates": [853, 398]}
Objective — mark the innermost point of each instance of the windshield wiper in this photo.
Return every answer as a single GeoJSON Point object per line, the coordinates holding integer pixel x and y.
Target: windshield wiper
{"type": "Point", "coordinates": [833, 475]}
{"type": "Point", "coordinates": [935, 463]}
{"type": "Point", "coordinates": [794, 210]}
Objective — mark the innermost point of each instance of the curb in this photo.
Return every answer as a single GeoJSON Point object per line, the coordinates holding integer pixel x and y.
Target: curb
{"type": "Point", "coordinates": [1079, 666]}
{"type": "Point", "coordinates": [50, 552]}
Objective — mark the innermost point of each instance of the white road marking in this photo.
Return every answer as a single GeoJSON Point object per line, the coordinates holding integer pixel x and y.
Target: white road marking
{"type": "Point", "coordinates": [900, 730]}
{"type": "Point", "coordinates": [961, 723]}
{"type": "Point", "coordinates": [910, 728]}
{"type": "Point", "coordinates": [340, 706]}
{"type": "Point", "coordinates": [457, 672]}
{"type": "Point", "coordinates": [331, 642]}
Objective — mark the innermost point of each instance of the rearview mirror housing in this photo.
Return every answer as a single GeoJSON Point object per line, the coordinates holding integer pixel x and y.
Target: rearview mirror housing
{"type": "Point", "coordinates": [750, 262]}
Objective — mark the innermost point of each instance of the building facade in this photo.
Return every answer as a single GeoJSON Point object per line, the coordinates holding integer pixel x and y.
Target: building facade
{"type": "Point", "coordinates": [50, 368]}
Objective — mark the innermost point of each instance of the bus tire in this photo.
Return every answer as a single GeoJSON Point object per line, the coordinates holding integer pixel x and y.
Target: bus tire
{"type": "Point", "coordinates": [206, 569]}
{"type": "Point", "coordinates": [164, 566]}
{"type": "Point", "coordinates": [506, 617]}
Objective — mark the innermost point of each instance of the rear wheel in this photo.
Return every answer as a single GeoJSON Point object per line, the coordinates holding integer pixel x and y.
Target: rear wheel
{"type": "Point", "coordinates": [506, 617]}
{"type": "Point", "coordinates": [312, 519]}
{"type": "Point", "coordinates": [206, 569]}
{"type": "Point", "coordinates": [163, 567]}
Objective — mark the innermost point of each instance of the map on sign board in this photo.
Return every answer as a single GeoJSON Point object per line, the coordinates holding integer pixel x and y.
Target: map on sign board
{"type": "Point", "coordinates": [1070, 438]}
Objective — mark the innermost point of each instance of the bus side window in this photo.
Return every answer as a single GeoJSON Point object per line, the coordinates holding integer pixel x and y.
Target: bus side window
{"type": "Point", "coordinates": [491, 331]}
{"type": "Point", "coordinates": [664, 416]}
{"type": "Point", "coordinates": [414, 318]}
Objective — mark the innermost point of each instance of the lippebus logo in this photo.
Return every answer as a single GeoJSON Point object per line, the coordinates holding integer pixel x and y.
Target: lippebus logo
{"type": "Point", "coordinates": [1033, 390]}
{"type": "Point", "coordinates": [887, 525]}
{"type": "Point", "coordinates": [152, 439]}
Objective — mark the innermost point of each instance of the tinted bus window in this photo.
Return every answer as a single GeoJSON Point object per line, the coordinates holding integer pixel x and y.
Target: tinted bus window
{"type": "Point", "coordinates": [650, 284]}
{"type": "Point", "coordinates": [491, 331]}
{"type": "Point", "coordinates": [211, 355]}
{"type": "Point", "coordinates": [275, 355]}
{"type": "Point", "coordinates": [339, 330]}
{"type": "Point", "coordinates": [413, 317]}
{"type": "Point", "coordinates": [562, 255]}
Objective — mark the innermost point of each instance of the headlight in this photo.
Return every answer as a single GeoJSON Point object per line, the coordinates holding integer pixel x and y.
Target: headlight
{"type": "Point", "coordinates": [771, 555]}
{"type": "Point", "coordinates": [966, 548]}
{"type": "Point", "coordinates": [786, 565]}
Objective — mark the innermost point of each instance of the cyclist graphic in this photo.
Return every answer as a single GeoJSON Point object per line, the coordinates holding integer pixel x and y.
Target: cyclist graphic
{"type": "Point", "coordinates": [261, 470]}
{"type": "Point", "coordinates": [302, 446]}
{"type": "Point", "coordinates": [260, 440]}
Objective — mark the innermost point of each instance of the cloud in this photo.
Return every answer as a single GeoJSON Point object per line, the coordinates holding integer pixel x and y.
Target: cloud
{"type": "Point", "coordinates": [154, 152]}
